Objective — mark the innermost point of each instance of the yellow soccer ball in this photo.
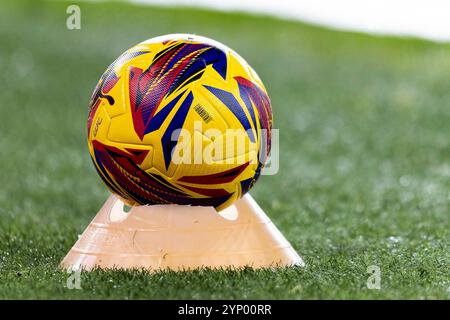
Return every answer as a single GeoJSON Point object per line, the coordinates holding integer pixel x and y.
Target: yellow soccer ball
{"type": "Point", "coordinates": [179, 119]}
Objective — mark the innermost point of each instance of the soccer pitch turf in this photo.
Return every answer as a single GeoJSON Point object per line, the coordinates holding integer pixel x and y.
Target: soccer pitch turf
{"type": "Point", "coordinates": [365, 154]}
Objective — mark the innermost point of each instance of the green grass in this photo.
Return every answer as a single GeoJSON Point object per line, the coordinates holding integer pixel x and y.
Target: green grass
{"type": "Point", "coordinates": [365, 154]}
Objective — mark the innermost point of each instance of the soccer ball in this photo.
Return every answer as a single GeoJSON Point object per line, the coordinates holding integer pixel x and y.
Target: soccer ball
{"type": "Point", "coordinates": [179, 119]}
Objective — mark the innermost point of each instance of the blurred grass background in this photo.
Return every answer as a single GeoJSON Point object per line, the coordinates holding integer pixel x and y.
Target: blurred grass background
{"type": "Point", "coordinates": [365, 154]}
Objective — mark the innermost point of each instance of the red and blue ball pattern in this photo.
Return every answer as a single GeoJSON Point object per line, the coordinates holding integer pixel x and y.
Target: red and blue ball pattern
{"type": "Point", "coordinates": [168, 75]}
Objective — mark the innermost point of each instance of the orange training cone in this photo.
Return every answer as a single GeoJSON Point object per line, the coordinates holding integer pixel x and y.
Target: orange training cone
{"type": "Point", "coordinates": [181, 237]}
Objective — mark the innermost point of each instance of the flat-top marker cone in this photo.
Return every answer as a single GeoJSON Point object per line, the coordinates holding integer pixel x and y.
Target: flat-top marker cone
{"type": "Point", "coordinates": [180, 237]}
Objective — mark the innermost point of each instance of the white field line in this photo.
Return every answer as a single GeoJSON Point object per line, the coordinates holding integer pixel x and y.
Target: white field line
{"type": "Point", "coordinates": [429, 19]}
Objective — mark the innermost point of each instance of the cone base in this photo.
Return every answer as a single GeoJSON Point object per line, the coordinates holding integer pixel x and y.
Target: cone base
{"type": "Point", "coordinates": [180, 238]}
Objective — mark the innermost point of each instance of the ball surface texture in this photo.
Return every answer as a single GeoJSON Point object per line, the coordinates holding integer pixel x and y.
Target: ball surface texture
{"type": "Point", "coordinates": [179, 119]}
